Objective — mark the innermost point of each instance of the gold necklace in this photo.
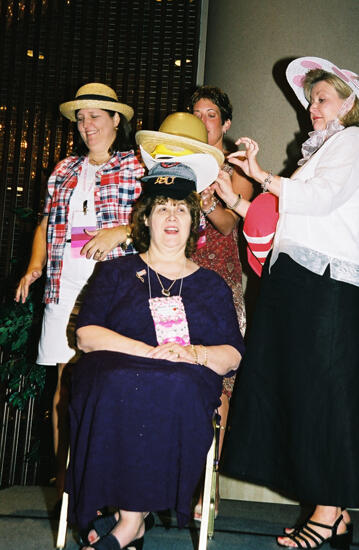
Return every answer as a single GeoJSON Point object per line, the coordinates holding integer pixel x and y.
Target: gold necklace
{"type": "Point", "coordinates": [166, 291]}
{"type": "Point", "coordinates": [98, 162]}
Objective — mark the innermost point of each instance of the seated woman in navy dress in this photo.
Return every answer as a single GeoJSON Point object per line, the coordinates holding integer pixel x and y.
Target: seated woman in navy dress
{"type": "Point", "coordinates": [157, 342]}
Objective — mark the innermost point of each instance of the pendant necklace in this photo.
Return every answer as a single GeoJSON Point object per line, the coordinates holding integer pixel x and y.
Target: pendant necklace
{"type": "Point", "coordinates": [166, 291]}
{"type": "Point", "coordinates": [99, 162]}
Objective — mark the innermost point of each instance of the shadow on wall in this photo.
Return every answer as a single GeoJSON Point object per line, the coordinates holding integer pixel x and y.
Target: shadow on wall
{"type": "Point", "coordinates": [294, 147]}
{"type": "Point", "coordinates": [293, 150]}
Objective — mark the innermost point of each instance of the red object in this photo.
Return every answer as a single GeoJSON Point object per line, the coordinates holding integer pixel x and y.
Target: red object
{"type": "Point", "coordinates": [259, 229]}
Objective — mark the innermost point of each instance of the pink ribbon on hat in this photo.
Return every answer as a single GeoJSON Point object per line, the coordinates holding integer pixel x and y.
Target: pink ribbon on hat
{"type": "Point", "coordinates": [297, 70]}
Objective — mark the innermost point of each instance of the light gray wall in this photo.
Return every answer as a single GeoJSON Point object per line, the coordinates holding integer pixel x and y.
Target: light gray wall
{"type": "Point", "coordinates": [248, 43]}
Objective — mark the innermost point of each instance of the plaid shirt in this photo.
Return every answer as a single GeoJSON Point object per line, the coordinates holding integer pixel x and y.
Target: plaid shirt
{"type": "Point", "coordinates": [116, 189]}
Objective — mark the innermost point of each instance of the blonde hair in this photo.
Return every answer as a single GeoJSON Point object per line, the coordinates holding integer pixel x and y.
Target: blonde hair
{"type": "Point", "coordinates": [342, 89]}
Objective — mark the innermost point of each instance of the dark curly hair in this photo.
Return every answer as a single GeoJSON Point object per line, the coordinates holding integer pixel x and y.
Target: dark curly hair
{"type": "Point", "coordinates": [122, 142]}
{"type": "Point", "coordinates": [142, 210]}
{"type": "Point", "coordinates": [217, 97]}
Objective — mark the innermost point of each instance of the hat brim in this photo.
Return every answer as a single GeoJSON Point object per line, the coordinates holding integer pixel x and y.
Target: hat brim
{"type": "Point", "coordinates": [205, 167]}
{"type": "Point", "coordinates": [69, 108]}
{"type": "Point", "coordinates": [178, 192]}
{"type": "Point", "coordinates": [298, 68]}
{"type": "Point", "coordinates": [149, 139]}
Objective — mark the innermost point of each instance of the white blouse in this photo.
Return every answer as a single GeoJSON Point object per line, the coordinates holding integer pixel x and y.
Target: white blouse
{"type": "Point", "coordinates": [319, 210]}
{"type": "Point", "coordinates": [83, 192]}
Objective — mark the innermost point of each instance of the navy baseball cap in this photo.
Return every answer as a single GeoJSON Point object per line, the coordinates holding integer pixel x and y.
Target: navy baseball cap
{"type": "Point", "coordinates": [170, 179]}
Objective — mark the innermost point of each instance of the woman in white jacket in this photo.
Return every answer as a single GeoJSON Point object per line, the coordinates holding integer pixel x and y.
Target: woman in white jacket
{"type": "Point", "coordinates": [295, 412]}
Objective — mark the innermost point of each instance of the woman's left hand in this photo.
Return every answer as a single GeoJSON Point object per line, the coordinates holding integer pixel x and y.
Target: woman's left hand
{"type": "Point", "coordinates": [207, 198]}
{"type": "Point", "coordinates": [224, 189]}
{"type": "Point", "coordinates": [103, 241]}
{"type": "Point", "coordinates": [247, 160]}
{"type": "Point", "coordinates": [172, 352]}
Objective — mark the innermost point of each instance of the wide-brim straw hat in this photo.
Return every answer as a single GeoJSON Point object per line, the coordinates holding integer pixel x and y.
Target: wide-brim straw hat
{"type": "Point", "coordinates": [297, 70]}
{"type": "Point", "coordinates": [95, 96]}
{"type": "Point", "coordinates": [181, 130]}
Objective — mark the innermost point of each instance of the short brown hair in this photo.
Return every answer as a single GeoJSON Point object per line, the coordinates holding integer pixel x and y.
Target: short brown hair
{"type": "Point", "coordinates": [342, 89]}
{"type": "Point", "coordinates": [142, 210]}
{"type": "Point", "coordinates": [217, 97]}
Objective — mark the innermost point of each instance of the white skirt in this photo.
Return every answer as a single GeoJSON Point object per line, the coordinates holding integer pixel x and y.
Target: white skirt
{"type": "Point", "coordinates": [57, 341]}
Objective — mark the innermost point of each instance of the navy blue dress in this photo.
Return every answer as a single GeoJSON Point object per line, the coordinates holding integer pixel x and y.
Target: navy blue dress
{"type": "Point", "coordinates": [141, 427]}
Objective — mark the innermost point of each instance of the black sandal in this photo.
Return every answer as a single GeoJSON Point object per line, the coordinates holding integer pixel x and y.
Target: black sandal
{"type": "Point", "coordinates": [303, 535]}
{"type": "Point", "coordinates": [102, 525]}
{"type": "Point", "coordinates": [297, 527]}
{"type": "Point", "coordinates": [109, 542]}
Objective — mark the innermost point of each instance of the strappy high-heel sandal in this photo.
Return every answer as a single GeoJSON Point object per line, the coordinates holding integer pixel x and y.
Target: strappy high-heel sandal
{"type": "Point", "coordinates": [303, 536]}
{"type": "Point", "coordinates": [289, 530]}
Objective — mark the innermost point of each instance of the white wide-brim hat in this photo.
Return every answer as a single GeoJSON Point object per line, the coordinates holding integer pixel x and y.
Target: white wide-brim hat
{"type": "Point", "coordinates": [203, 165]}
{"type": "Point", "coordinates": [181, 130]}
{"type": "Point", "coordinates": [297, 70]}
{"type": "Point", "coordinates": [95, 96]}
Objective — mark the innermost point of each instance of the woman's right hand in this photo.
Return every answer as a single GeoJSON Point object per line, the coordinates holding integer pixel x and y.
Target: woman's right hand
{"type": "Point", "coordinates": [22, 290]}
{"type": "Point", "coordinates": [172, 352]}
{"type": "Point", "coordinates": [247, 160]}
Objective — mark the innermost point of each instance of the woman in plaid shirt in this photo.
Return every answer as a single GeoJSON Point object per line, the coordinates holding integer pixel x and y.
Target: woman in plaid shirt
{"type": "Point", "coordinates": [86, 219]}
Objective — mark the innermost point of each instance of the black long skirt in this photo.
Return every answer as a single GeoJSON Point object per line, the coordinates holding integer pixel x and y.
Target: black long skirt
{"type": "Point", "coordinates": [294, 422]}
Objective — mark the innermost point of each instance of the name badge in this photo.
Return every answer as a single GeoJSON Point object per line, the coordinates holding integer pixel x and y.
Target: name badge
{"type": "Point", "coordinates": [170, 320]}
{"type": "Point", "coordinates": [80, 222]}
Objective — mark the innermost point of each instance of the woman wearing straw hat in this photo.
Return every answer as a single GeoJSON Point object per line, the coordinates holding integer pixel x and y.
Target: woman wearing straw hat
{"type": "Point", "coordinates": [144, 392]}
{"type": "Point", "coordinates": [86, 220]}
{"type": "Point", "coordinates": [294, 425]}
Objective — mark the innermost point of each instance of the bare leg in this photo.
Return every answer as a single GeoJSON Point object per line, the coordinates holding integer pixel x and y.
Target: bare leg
{"type": "Point", "coordinates": [322, 514]}
{"type": "Point", "coordinates": [130, 527]}
{"type": "Point", "coordinates": [60, 425]}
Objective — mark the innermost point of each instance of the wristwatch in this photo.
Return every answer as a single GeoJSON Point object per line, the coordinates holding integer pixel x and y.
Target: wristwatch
{"type": "Point", "coordinates": [211, 208]}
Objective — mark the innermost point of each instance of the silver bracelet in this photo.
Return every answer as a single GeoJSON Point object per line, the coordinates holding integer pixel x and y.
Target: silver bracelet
{"type": "Point", "coordinates": [234, 206]}
{"type": "Point", "coordinates": [211, 208]}
{"type": "Point", "coordinates": [267, 181]}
